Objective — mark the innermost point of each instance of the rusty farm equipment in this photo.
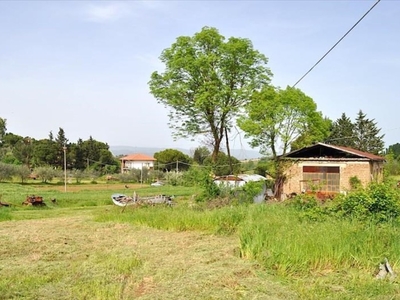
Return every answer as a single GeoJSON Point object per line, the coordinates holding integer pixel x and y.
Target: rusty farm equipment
{"type": "Point", "coordinates": [34, 201]}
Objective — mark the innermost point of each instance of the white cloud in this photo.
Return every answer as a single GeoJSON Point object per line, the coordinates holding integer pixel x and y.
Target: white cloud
{"type": "Point", "coordinates": [106, 12]}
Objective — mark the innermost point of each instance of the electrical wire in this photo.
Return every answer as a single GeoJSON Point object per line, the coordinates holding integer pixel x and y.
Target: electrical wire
{"type": "Point", "coordinates": [336, 43]}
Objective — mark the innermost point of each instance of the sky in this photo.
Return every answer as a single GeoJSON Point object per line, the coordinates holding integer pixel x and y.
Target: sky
{"type": "Point", "coordinates": [84, 66]}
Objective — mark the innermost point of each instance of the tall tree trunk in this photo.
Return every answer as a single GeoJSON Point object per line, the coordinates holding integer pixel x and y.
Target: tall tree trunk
{"type": "Point", "coordinates": [279, 179]}
{"type": "Point", "coordinates": [229, 151]}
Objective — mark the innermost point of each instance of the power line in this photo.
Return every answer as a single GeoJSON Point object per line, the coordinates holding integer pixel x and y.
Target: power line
{"type": "Point", "coordinates": [336, 43]}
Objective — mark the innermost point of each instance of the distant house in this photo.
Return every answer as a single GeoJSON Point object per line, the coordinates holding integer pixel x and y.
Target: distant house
{"type": "Point", "coordinates": [136, 161]}
{"type": "Point", "coordinates": [328, 168]}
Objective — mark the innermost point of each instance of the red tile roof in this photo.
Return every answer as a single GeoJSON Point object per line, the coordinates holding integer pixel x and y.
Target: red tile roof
{"type": "Point", "coordinates": [138, 157]}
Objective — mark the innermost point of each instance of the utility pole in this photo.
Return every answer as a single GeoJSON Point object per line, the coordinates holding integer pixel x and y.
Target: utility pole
{"type": "Point", "coordinates": [177, 170]}
{"type": "Point", "coordinates": [141, 175]}
{"type": "Point", "coordinates": [65, 168]}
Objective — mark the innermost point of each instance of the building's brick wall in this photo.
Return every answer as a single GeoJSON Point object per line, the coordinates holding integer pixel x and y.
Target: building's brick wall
{"type": "Point", "coordinates": [364, 170]}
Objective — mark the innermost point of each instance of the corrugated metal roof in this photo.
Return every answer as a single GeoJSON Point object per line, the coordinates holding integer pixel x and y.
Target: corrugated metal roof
{"type": "Point", "coordinates": [138, 157]}
{"type": "Point", "coordinates": [356, 152]}
{"type": "Point", "coordinates": [241, 177]}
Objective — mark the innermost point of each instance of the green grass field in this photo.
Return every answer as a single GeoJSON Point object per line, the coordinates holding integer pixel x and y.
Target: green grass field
{"type": "Point", "coordinates": [84, 247]}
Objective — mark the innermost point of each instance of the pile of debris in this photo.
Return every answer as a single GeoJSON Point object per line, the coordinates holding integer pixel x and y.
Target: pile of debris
{"type": "Point", "coordinates": [385, 270]}
{"type": "Point", "coordinates": [34, 201]}
{"type": "Point", "coordinates": [4, 204]}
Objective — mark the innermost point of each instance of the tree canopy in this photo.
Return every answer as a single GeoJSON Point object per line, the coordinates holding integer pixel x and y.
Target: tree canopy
{"type": "Point", "coordinates": [172, 159]}
{"type": "Point", "coordinates": [363, 134]}
{"type": "Point", "coordinates": [34, 153]}
{"type": "Point", "coordinates": [206, 82]}
{"type": "Point", "coordinates": [367, 137]}
{"type": "Point", "coordinates": [395, 149]}
{"type": "Point", "coordinates": [277, 118]}
{"type": "Point", "coordinates": [342, 132]}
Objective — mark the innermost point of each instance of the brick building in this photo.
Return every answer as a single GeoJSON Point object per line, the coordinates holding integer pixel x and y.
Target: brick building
{"type": "Point", "coordinates": [328, 168]}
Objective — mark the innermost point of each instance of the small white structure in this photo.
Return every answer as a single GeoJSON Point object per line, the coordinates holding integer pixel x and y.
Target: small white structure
{"type": "Point", "coordinates": [238, 180]}
{"type": "Point", "coordinates": [136, 161]}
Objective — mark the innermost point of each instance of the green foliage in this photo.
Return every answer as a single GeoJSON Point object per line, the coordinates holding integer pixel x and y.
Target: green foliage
{"type": "Point", "coordinates": [3, 129]}
{"type": "Point", "coordinates": [200, 154]}
{"type": "Point", "coordinates": [193, 176]}
{"type": "Point", "coordinates": [7, 171]}
{"type": "Point", "coordinates": [23, 151]}
{"type": "Point", "coordinates": [173, 178]}
{"type": "Point", "coordinates": [22, 172]}
{"type": "Point", "coordinates": [278, 117]}
{"type": "Point", "coordinates": [392, 165]}
{"type": "Point", "coordinates": [355, 183]}
{"type": "Point", "coordinates": [172, 159]}
{"type": "Point", "coordinates": [394, 149]}
{"type": "Point", "coordinates": [207, 81]}
{"type": "Point", "coordinates": [126, 177]}
{"type": "Point", "coordinates": [367, 135]}
{"type": "Point", "coordinates": [379, 202]}
{"type": "Point", "coordinates": [78, 175]}
{"type": "Point", "coordinates": [253, 189]}
{"type": "Point", "coordinates": [342, 132]}
{"type": "Point", "coordinates": [222, 165]}
{"type": "Point", "coordinates": [210, 189]}
{"type": "Point", "coordinates": [47, 174]}
{"type": "Point", "coordinates": [363, 134]}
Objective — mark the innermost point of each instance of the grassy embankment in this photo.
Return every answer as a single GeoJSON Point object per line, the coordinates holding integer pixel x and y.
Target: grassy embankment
{"type": "Point", "coordinates": [83, 247]}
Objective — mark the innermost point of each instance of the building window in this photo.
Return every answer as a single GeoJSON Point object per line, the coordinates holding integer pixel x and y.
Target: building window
{"type": "Point", "coordinates": [316, 178]}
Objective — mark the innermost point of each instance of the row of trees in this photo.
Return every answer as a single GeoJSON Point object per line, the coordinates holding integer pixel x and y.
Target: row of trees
{"type": "Point", "coordinates": [28, 151]}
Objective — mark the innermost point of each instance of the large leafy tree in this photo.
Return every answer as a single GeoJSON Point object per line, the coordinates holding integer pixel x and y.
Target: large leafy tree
{"type": "Point", "coordinates": [224, 165]}
{"type": "Point", "coordinates": [172, 159]}
{"type": "Point", "coordinates": [200, 154]}
{"type": "Point", "coordinates": [23, 151]}
{"type": "Point", "coordinates": [206, 82]}
{"type": "Point", "coordinates": [342, 132]}
{"type": "Point", "coordinates": [97, 154]}
{"type": "Point", "coordinates": [367, 135]}
{"type": "Point", "coordinates": [277, 118]}
{"type": "Point", "coordinates": [45, 153]}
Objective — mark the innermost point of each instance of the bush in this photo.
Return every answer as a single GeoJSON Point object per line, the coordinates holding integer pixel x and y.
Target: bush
{"type": "Point", "coordinates": [355, 183]}
{"type": "Point", "coordinates": [379, 201]}
{"type": "Point", "coordinates": [7, 171]}
{"type": "Point", "coordinates": [47, 173]}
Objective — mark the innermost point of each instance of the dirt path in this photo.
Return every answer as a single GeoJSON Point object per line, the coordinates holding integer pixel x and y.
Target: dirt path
{"type": "Point", "coordinates": [76, 258]}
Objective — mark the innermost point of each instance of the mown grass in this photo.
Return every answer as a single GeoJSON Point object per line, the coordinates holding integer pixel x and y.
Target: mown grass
{"type": "Point", "coordinates": [327, 259]}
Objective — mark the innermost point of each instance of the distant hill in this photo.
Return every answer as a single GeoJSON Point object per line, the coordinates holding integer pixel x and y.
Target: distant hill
{"type": "Point", "coordinates": [125, 150]}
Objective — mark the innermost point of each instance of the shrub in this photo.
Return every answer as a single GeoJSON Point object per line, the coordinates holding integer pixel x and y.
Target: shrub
{"type": "Point", "coordinates": [193, 176]}
{"type": "Point", "coordinates": [378, 201]}
{"type": "Point", "coordinates": [355, 183]}
{"type": "Point", "coordinates": [6, 171]}
{"type": "Point", "coordinates": [47, 173]}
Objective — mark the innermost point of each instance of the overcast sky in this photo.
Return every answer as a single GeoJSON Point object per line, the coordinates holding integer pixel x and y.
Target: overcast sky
{"type": "Point", "coordinates": [84, 66]}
